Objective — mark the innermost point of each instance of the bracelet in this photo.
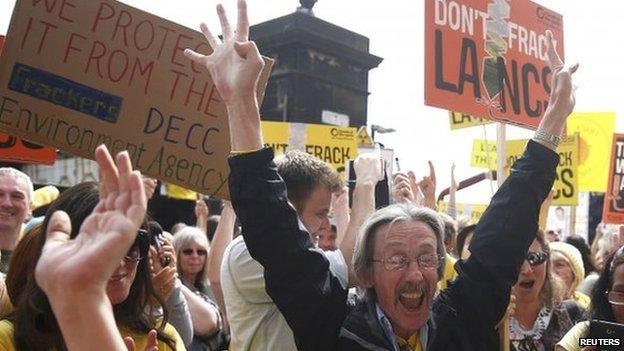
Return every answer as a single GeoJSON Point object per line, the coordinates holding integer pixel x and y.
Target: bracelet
{"type": "Point", "coordinates": [548, 138]}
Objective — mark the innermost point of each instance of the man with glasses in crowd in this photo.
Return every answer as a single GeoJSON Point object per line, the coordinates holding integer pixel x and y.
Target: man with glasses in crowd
{"type": "Point", "coordinates": [398, 254]}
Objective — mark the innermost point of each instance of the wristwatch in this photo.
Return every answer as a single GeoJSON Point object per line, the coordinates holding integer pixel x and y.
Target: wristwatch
{"type": "Point", "coordinates": [546, 137]}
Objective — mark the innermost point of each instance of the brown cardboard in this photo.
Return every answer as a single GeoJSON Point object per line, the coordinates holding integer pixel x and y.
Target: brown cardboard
{"type": "Point", "coordinates": [78, 73]}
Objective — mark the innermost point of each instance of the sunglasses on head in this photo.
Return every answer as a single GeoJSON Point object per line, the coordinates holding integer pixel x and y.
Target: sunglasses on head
{"type": "Point", "coordinates": [536, 258]}
{"type": "Point", "coordinates": [139, 248]}
{"type": "Point", "coordinates": [200, 252]}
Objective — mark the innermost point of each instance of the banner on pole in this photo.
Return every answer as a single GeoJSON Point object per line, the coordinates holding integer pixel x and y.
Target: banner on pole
{"type": "Point", "coordinates": [488, 58]}
{"type": "Point", "coordinates": [472, 211]}
{"type": "Point", "coordinates": [613, 210]}
{"type": "Point", "coordinates": [458, 120]}
{"type": "Point", "coordinates": [567, 174]}
{"type": "Point", "coordinates": [80, 74]}
{"type": "Point", "coordinates": [332, 144]}
{"type": "Point", "coordinates": [596, 131]}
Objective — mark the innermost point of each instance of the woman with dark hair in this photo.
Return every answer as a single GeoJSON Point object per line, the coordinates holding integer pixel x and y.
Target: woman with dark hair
{"type": "Point", "coordinates": [607, 302]}
{"type": "Point", "coordinates": [540, 318]}
{"type": "Point", "coordinates": [33, 326]}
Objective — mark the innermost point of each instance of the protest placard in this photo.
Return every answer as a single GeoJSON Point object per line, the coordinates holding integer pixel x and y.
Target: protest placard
{"type": "Point", "coordinates": [363, 137]}
{"type": "Point", "coordinates": [488, 58]}
{"type": "Point", "coordinates": [13, 149]}
{"type": "Point", "coordinates": [472, 211]}
{"type": "Point", "coordinates": [458, 120]}
{"type": "Point", "coordinates": [613, 210]}
{"type": "Point", "coordinates": [332, 144]}
{"type": "Point", "coordinates": [78, 74]}
{"type": "Point", "coordinates": [567, 174]}
{"type": "Point", "coordinates": [596, 132]}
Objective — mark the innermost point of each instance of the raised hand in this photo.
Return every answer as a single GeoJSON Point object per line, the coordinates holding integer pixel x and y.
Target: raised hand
{"type": "Point", "coordinates": [201, 214]}
{"type": "Point", "coordinates": [74, 273]}
{"type": "Point", "coordinates": [402, 190]}
{"type": "Point", "coordinates": [428, 186]}
{"type": "Point", "coordinates": [235, 64]}
{"type": "Point", "coordinates": [151, 344]}
{"type": "Point", "coordinates": [562, 100]}
{"type": "Point", "coordinates": [453, 187]}
{"type": "Point", "coordinates": [84, 264]}
{"type": "Point", "coordinates": [368, 168]}
{"type": "Point", "coordinates": [150, 186]}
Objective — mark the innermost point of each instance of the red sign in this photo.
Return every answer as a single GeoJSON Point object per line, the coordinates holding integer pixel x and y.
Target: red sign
{"type": "Point", "coordinates": [613, 210]}
{"type": "Point", "coordinates": [488, 58]}
{"type": "Point", "coordinates": [13, 149]}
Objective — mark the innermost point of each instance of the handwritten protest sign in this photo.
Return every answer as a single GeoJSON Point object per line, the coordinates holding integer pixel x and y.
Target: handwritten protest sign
{"type": "Point", "coordinates": [613, 210]}
{"type": "Point", "coordinates": [14, 149]}
{"type": "Point", "coordinates": [488, 58]}
{"type": "Point", "coordinates": [332, 144]}
{"type": "Point", "coordinates": [567, 174]}
{"type": "Point", "coordinates": [76, 74]}
{"type": "Point", "coordinates": [459, 120]}
{"type": "Point", "coordinates": [596, 131]}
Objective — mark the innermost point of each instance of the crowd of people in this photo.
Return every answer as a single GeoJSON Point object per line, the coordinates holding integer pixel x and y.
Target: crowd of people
{"type": "Point", "coordinates": [290, 264]}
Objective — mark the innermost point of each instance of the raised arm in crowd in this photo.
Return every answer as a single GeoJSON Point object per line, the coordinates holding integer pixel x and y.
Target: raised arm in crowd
{"type": "Point", "coordinates": [399, 254]}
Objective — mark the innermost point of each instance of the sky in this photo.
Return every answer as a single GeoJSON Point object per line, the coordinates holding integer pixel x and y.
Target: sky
{"type": "Point", "coordinates": [395, 29]}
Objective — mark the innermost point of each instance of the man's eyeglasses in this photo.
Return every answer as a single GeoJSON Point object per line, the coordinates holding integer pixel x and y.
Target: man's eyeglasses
{"type": "Point", "coordinates": [536, 258]}
{"type": "Point", "coordinates": [200, 252]}
{"type": "Point", "coordinates": [615, 298]}
{"type": "Point", "coordinates": [139, 248]}
{"type": "Point", "coordinates": [400, 262]}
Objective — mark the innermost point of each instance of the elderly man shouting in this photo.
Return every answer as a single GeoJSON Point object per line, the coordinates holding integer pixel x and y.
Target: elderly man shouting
{"type": "Point", "coordinates": [398, 257]}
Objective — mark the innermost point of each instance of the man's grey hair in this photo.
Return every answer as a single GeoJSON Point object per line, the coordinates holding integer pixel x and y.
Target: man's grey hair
{"type": "Point", "coordinates": [17, 174]}
{"type": "Point", "coordinates": [364, 246]}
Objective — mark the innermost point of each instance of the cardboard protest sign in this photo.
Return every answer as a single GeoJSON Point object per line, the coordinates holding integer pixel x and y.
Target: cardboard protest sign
{"type": "Point", "coordinates": [78, 74]}
{"type": "Point", "coordinates": [613, 210]}
{"type": "Point", "coordinates": [458, 120]}
{"type": "Point", "coordinates": [472, 211]}
{"type": "Point", "coordinates": [332, 144]}
{"type": "Point", "coordinates": [567, 174]}
{"type": "Point", "coordinates": [14, 149]}
{"type": "Point", "coordinates": [596, 132]}
{"type": "Point", "coordinates": [488, 58]}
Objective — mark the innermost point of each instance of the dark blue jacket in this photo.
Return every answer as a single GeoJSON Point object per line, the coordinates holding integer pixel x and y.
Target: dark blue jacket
{"type": "Point", "coordinates": [314, 303]}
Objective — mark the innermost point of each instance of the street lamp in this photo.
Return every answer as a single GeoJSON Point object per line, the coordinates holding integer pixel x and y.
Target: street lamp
{"type": "Point", "coordinates": [381, 130]}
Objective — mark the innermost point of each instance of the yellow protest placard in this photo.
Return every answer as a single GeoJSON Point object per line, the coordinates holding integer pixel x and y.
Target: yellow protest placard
{"type": "Point", "coordinates": [596, 133]}
{"type": "Point", "coordinates": [484, 153]}
{"type": "Point", "coordinates": [458, 120]}
{"type": "Point", "coordinates": [567, 174]}
{"type": "Point", "coordinates": [332, 144]}
{"type": "Point", "coordinates": [363, 138]}
{"type": "Point", "coordinates": [473, 211]}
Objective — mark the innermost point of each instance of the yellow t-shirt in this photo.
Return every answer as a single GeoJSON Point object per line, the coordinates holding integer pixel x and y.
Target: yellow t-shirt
{"type": "Point", "coordinates": [413, 342]}
{"type": "Point", "coordinates": [7, 342]}
{"type": "Point", "coordinates": [570, 342]}
{"type": "Point", "coordinates": [449, 272]}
